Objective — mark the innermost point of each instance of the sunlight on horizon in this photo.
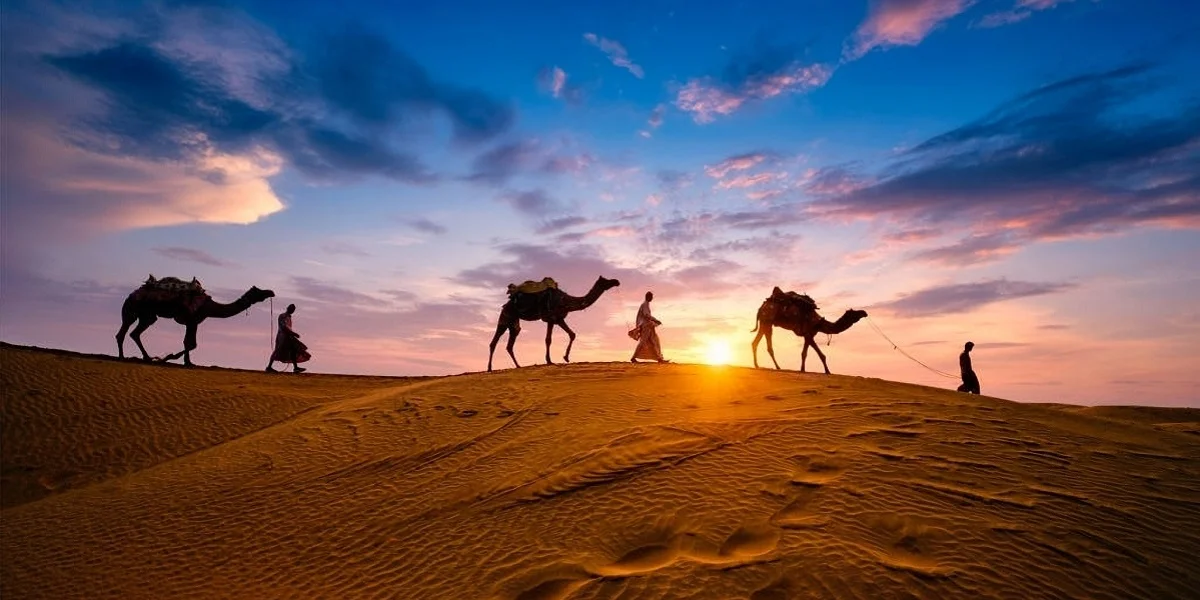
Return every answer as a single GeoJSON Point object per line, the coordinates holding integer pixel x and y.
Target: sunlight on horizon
{"type": "Point", "coordinates": [718, 353]}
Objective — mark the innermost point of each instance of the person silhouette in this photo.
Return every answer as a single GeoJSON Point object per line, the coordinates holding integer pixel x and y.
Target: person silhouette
{"type": "Point", "coordinates": [288, 347]}
{"type": "Point", "coordinates": [648, 347]}
{"type": "Point", "coordinates": [970, 382]}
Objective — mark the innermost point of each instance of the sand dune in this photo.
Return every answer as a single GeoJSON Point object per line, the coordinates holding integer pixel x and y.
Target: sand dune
{"type": "Point", "coordinates": [123, 480]}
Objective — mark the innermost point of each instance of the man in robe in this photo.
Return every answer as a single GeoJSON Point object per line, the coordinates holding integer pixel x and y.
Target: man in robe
{"type": "Point", "coordinates": [970, 382]}
{"type": "Point", "coordinates": [288, 347]}
{"type": "Point", "coordinates": [648, 347]}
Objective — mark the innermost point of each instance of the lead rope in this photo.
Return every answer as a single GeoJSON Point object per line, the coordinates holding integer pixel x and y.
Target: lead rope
{"type": "Point", "coordinates": [271, 327]}
{"type": "Point", "coordinates": [897, 348]}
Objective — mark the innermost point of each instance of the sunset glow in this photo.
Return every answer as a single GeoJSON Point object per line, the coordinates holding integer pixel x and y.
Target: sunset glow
{"type": "Point", "coordinates": [391, 170]}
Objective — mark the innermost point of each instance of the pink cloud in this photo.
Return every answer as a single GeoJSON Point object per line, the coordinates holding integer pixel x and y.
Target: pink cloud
{"type": "Point", "coordinates": [740, 162]}
{"type": "Point", "coordinates": [900, 23]}
{"type": "Point", "coordinates": [655, 120]}
{"type": "Point", "coordinates": [706, 98]}
{"type": "Point", "coordinates": [1021, 11]}
{"type": "Point", "coordinates": [745, 181]}
{"type": "Point", "coordinates": [616, 53]}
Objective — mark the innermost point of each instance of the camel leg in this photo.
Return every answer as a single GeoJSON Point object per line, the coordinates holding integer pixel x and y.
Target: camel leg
{"type": "Point", "coordinates": [570, 339]}
{"type": "Point", "coordinates": [804, 354]}
{"type": "Point", "coordinates": [143, 324]}
{"type": "Point", "coordinates": [125, 323]}
{"type": "Point", "coordinates": [501, 327]}
{"type": "Point", "coordinates": [771, 348]}
{"type": "Point", "coordinates": [189, 344]}
{"type": "Point", "coordinates": [754, 346]}
{"type": "Point", "coordinates": [549, 333]}
{"type": "Point", "coordinates": [513, 332]}
{"type": "Point", "coordinates": [820, 354]}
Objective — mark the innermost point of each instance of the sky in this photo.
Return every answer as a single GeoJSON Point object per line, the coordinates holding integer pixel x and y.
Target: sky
{"type": "Point", "coordinates": [1024, 174]}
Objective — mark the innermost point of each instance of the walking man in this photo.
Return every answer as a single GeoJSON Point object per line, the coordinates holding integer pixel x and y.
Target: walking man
{"type": "Point", "coordinates": [970, 382]}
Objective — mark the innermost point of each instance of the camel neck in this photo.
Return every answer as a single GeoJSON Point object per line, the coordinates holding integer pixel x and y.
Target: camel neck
{"type": "Point", "coordinates": [574, 303]}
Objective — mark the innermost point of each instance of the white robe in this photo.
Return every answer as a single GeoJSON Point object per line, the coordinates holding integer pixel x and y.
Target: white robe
{"type": "Point", "coordinates": [648, 347]}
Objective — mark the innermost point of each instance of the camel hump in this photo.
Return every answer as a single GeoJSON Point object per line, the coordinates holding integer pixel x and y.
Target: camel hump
{"type": "Point", "coordinates": [533, 287]}
{"type": "Point", "coordinates": [803, 301]}
{"type": "Point", "coordinates": [173, 284]}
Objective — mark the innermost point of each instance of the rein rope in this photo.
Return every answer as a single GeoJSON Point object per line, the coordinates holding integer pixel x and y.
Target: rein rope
{"type": "Point", "coordinates": [271, 327]}
{"type": "Point", "coordinates": [897, 348]}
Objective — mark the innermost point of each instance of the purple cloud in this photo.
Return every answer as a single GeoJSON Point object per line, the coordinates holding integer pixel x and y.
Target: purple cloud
{"type": "Point", "coordinates": [966, 297]}
{"type": "Point", "coordinates": [192, 255]}
{"type": "Point", "coordinates": [616, 53]}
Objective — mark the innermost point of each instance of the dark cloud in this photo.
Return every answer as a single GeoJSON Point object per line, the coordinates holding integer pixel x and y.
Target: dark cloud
{"type": "Point", "coordinates": [192, 255]}
{"type": "Point", "coordinates": [501, 163]}
{"type": "Point", "coordinates": [966, 297]}
{"type": "Point", "coordinates": [426, 226]}
{"type": "Point", "coordinates": [670, 180]}
{"type": "Point", "coordinates": [329, 109]}
{"type": "Point", "coordinates": [1067, 159]}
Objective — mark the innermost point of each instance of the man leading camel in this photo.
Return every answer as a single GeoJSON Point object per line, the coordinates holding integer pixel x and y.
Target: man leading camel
{"type": "Point", "coordinates": [648, 347]}
{"type": "Point", "coordinates": [970, 382]}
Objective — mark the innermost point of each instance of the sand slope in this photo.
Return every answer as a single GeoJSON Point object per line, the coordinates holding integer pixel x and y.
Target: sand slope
{"type": "Point", "coordinates": [587, 481]}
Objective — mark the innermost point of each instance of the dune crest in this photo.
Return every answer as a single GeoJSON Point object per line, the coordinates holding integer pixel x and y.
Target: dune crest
{"type": "Point", "coordinates": [123, 480]}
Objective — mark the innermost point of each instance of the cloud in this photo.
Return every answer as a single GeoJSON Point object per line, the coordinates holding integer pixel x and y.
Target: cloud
{"type": "Point", "coordinates": [707, 98]}
{"type": "Point", "coordinates": [332, 294]}
{"type": "Point", "coordinates": [561, 224]}
{"type": "Point", "coordinates": [554, 81]}
{"type": "Point", "coordinates": [966, 297]}
{"type": "Point", "coordinates": [1021, 11]}
{"type": "Point", "coordinates": [1068, 159]}
{"type": "Point", "coordinates": [970, 250]}
{"type": "Point", "coordinates": [533, 203]}
{"type": "Point", "coordinates": [426, 226]}
{"type": "Point", "coordinates": [655, 121]}
{"type": "Point", "coordinates": [900, 23]}
{"type": "Point", "coordinates": [528, 156]}
{"type": "Point", "coordinates": [616, 53]}
{"type": "Point", "coordinates": [182, 113]}
{"type": "Point", "coordinates": [740, 162]}
{"type": "Point", "coordinates": [192, 255]}
{"type": "Point", "coordinates": [344, 249]}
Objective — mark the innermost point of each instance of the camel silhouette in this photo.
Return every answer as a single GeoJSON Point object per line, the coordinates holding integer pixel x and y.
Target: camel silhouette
{"type": "Point", "coordinates": [145, 307]}
{"type": "Point", "coordinates": [804, 321]}
{"type": "Point", "coordinates": [552, 306]}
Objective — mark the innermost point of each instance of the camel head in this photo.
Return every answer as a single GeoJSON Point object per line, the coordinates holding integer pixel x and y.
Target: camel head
{"type": "Point", "coordinates": [604, 284]}
{"type": "Point", "coordinates": [255, 295]}
{"type": "Point", "coordinates": [854, 316]}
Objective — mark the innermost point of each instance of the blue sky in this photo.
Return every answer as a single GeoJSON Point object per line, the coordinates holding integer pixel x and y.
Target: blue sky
{"type": "Point", "coordinates": [1021, 173]}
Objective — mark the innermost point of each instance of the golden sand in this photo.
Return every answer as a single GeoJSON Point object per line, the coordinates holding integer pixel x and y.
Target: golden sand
{"type": "Point", "coordinates": [123, 480]}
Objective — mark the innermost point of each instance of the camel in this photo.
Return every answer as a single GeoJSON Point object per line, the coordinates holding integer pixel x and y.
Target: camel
{"type": "Point", "coordinates": [776, 312]}
{"type": "Point", "coordinates": [552, 306]}
{"type": "Point", "coordinates": [146, 308]}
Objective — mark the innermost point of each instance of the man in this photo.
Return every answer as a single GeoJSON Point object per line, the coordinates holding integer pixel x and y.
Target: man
{"type": "Point", "coordinates": [288, 347]}
{"type": "Point", "coordinates": [970, 382]}
{"type": "Point", "coordinates": [647, 347]}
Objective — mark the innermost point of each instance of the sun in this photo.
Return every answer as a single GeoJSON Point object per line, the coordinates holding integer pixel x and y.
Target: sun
{"type": "Point", "coordinates": [718, 353]}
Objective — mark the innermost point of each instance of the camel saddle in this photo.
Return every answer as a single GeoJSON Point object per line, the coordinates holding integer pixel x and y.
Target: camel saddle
{"type": "Point", "coordinates": [190, 293]}
{"type": "Point", "coordinates": [792, 298]}
{"type": "Point", "coordinates": [532, 287]}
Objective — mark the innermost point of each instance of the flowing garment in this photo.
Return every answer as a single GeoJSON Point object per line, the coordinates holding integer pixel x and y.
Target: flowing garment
{"type": "Point", "coordinates": [648, 347]}
{"type": "Point", "coordinates": [288, 347]}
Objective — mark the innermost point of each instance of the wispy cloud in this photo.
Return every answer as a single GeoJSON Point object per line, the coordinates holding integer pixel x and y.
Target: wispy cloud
{"type": "Point", "coordinates": [739, 162]}
{"type": "Point", "coordinates": [900, 23]}
{"type": "Point", "coordinates": [425, 225]}
{"type": "Point", "coordinates": [1064, 160]}
{"type": "Point", "coordinates": [706, 98]}
{"type": "Point", "coordinates": [655, 120]}
{"type": "Point", "coordinates": [1019, 12]}
{"type": "Point", "coordinates": [192, 255]}
{"type": "Point", "coordinates": [966, 297]}
{"type": "Point", "coordinates": [554, 80]}
{"type": "Point", "coordinates": [616, 53]}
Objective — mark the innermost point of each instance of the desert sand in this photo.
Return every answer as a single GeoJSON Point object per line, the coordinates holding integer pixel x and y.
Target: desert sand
{"type": "Point", "coordinates": [124, 480]}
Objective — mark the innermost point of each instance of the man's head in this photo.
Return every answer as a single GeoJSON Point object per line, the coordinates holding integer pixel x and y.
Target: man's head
{"type": "Point", "coordinates": [291, 308]}
{"type": "Point", "coordinates": [969, 345]}
{"type": "Point", "coordinates": [649, 296]}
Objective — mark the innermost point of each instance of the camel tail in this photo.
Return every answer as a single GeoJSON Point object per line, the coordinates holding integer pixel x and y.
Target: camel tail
{"type": "Point", "coordinates": [757, 322]}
